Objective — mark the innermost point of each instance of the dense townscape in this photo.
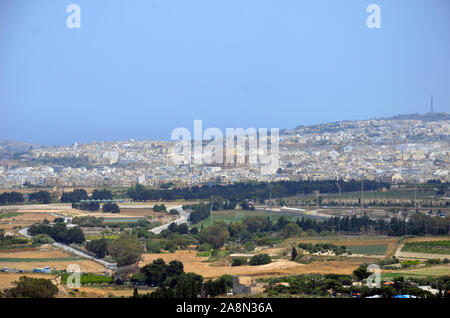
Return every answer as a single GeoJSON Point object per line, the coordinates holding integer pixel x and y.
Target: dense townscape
{"type": "Point", "coordinates": [409, 148]}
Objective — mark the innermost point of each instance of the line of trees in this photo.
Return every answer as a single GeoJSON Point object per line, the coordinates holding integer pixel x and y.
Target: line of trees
{"type": "Point", "coordinates": [80, 194]}
{"type": "Point", "coordinates": [11, 198]}
{"type": "Point", "coordinates": [238, 192]}
{"type": "Point", "coordinates": [75, 196]}
{"type": "Point", "coordinates": [43, 197]}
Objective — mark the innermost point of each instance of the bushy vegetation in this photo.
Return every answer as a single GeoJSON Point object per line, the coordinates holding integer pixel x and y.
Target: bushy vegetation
{"type": "Point", "coordinates": [199, 212]}
{"type": "Point", "coordinates": [6, 241]}
{"type": "Point", "coordinates": [259, 259]}
{"type": "Point", "coordinates": [59, 232]}
{"type": "Point", "coordinates": [75, 196]}
{"type": "Point", "coordinates": [43, 239]}
{"type": "Point", "coordinates": [11, 198]}
{"type": "Point", "coordinates": [216, 235]}
{"type": "Point", "coordinates": [98, 247]}
{"type": "Point", "coordinates": [126, 250]}
{"type": "Point", "coordinates": [111, 207]}
{"type": "Point", "coordinates": [241, 191]}
{"type": "Point", "coordinates": [159, 208]}
{"type": "Point", "coordinates": [341, 285]}
{"type": "Point", "coordinates": [323, 248]}
{"type": "Point", "coordinates": [86, 206]}
{"type": "Point", "coordinates": [40, 196]}
{"type": "Point", "coordinates": [239, 261]}
{"type": "Point", "coordinates": [28, 287]}
{"type": "Point", "coordinates": [172, 282]}
{"type": "Point", "coordinates": [88, 221]}
{"type": "Point", "coordinates": [101, 195]}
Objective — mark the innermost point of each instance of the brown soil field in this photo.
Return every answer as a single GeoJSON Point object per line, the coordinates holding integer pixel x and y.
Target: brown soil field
{"type": "Point", "coordinates": [280, 267]}
{"type": "Point", "coordinates": [43, 253]}
{"type": "Point", "coordinates": [6, 279]}
{"type": "Point", "coordinates": [10, 227]}
{"type": "Point", "coordinates": [30, 217]}
{"type": "Point", "coordinates": [85, 265]}
{"type": "Point", "coordinates": [103, 292]}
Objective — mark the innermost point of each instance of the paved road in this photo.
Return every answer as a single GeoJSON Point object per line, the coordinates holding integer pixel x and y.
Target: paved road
{"type": "Point", "coordinates": [71, 250]}
{"type": "Point", "coordinates": [184, 216]}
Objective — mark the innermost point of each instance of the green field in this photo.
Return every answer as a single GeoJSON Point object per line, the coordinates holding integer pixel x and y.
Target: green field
{"type": "Point", "coordinates": [30, 260]}
{"type": "Point", "coordinates": [433, 271]}
{"type": "Point", "coordinates": [9, 215]}
{"type": "Point", "coordinates": [228, 216]}
{"type": "Point", "coordinates": [89, 279]}
{"type": "Point", "coordinates": [430, 247]}
{"type": "Point", "coordinates": [368, 249]}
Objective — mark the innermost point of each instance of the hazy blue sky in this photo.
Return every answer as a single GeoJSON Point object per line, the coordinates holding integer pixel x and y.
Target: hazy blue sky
{"type": "Point", "coordinates": [139, 69]}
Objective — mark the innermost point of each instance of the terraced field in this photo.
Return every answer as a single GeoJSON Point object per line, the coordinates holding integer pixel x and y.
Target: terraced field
{"type": "Point", "coordinates": [428, 247]}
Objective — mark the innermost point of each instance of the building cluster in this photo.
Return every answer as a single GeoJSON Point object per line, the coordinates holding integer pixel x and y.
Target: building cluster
{"type": "Point", "coordinates": [391, 150]}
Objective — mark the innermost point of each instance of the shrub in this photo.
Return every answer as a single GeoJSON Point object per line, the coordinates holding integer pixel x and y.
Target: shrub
{"type": "Point", "coordinates": [154, 247]}
{"type": "Point", "coordinates": [238, 261]}
{"type": "Point", "coordinates": [159, 208]}
{"type": "Point", "coordinates": [260, 259]}
{"type": "Point", "coordinates": [433, 261]}
{"type": "Point", "coordinates": [42, 239]}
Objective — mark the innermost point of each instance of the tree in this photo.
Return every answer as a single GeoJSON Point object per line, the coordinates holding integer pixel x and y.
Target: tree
{"type": "Point", "coordinates": [74, 235]}
{"type": "Point", "coordinates": [40, 196]}
{"type": "Point", "coordinates": [32, 288]}
{"type": "Point", "coordinates": [42, 239]}
{"type": "Point", "coordinates": [126, 250]}
{"type": "Point", "coordinates": [216, 234]}
{"type": "Point", "coordinates": [75, 196]}
{"type": "Point", "coordinates": [257, 224]}
{"type": "Point", "coordinates": [11, 198]}
{"type": "Point", "coordinates": [291, 230]}
{"type": "Point", "coordinates": [175, 268]}
{"type": "Point", "coordinates": [99, 247]}
{"type": "Point", "coordinates": [293, 254]}
{"type": "Point", "coordinates": [155, 273]}
{"type": "Point", "coordinates": [361, 273]}
{"type": "Point", "coordinates": [111, 207]}
{"type": "Point", "coordinates": [189, 285]}
{"type": "Point", "coordinates": [101, 195]}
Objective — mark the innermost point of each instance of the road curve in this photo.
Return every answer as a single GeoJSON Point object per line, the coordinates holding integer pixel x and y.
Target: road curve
{"type": "Point", "coordinates": [71, 250]}
{"type": "Point", "coordinates": [184, 217]}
